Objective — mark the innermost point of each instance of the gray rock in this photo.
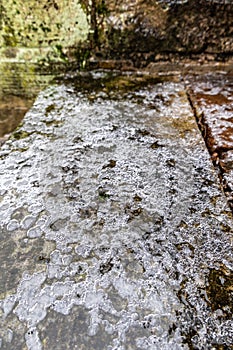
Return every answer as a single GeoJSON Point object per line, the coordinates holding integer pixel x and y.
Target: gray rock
{"type": "Point", "coordinates": [121, 226]}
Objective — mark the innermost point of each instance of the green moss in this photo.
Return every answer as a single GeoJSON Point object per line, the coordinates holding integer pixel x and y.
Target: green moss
{"type": "Point", "coordinates": [103, 194]}
{"type": "Point", "coordinates": [58, 49]}
{"type": "Point", "coordinates": [49, 109]}
{"type": "Point", "coordinates": [54, 123]}
{"type": "Point", "coordinates": [46, 27]}
{"type": "Point", "coordinates": [82, 54]}
{"type": "Point", "coordinates": [128, 83]}
{"type": "Point", "coordinates": [23, 149]}
{"type": "Point", "coordinates": [86, 7]}
{"type": "Point", "coordinates": [112, 83]}
{"type": "Point", "coordinates": [101, 9]}
{"type": "Point", "coordinates": [19, 135]}
{"type": "Point", "coordinates": [9, 36]}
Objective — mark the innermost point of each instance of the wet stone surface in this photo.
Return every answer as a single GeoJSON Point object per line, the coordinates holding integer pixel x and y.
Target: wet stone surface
{"type": "Point", "coordinates": [212, 97]}
{"type": "Point", "coordinates": [116, 233]}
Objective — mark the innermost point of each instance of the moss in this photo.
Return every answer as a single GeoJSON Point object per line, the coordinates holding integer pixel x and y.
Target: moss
{"type": "Point", "coordinates": [55, 123]}
{"type": "Point", "coordinates": [23, 149]}
{"type": "Point", "coordinates": [9, 36]}
{"type": "Point", "coordinates": [112, 83]}
{"type": "Point", "coordinates": [101, 8]}
{"type": "Point", "coordinates": [83, 58]}
{"type": "Point", "coordinates": [19, 135]}
{"type": "Point", "coordinates": [137, 198]}
{"type": "Point", "coordinates": [85, 5]}
{"type": "Point", "coordinates": [49, 109]}
{"type": "Point", "coordinates": [49, 26]}
{"type": "Point", "coordinates": [222, 347]}
{"type": "Point", "coordinates": [58, 48]}
{"type": "Point", "coordinates": [142, 31]}
{"type": "Point", "coordinates": [103, 195]}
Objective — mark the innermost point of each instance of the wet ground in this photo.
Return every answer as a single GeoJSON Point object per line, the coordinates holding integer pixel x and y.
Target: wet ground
{"type": "Point", "coordinates": [211, 96]}
{"type": "Point", "coordinates": [115, 228]}
{"type": "Point", "coordinates": [19, 86]}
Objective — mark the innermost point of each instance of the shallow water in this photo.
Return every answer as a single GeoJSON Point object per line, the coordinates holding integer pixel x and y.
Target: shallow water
{"type": "Point", "coordinates": [20, 83]}
{"type": "Point", "coordinates": [116, 232]}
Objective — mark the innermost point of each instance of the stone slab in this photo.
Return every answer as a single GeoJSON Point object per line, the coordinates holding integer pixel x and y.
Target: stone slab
{"type": "Point", "coordinates": [212, 98]}
{"type": "Point", "coordinates": [115, 231]}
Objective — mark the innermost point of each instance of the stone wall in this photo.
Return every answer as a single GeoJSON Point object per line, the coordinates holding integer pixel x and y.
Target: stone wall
{"type": "Point", "coordinates": [146, 31]}
{"type": "Point", "coordinates": [33, 30]}
{"type": "Point", "coordinates": [141, 31]}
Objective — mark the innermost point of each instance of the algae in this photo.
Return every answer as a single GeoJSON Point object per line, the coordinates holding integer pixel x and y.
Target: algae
{"type": "Point", "coordinates": [48, 26]}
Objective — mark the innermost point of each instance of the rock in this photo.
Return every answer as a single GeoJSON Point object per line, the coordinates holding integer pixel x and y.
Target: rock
{"type": "Point", "coordinates": [138, 31]}
{"type": "Point", "coordinates": [135, 266]}
{"type": "Point", "coordinates": [212, 100]}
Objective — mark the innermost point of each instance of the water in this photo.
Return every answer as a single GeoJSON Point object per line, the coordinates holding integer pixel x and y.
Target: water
{"type": "Point", "coordinates": [19, 85]}
{"type": "Point", "coordinates": [116, 232]}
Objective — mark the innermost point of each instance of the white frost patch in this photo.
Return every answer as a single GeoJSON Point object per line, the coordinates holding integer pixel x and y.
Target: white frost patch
{"type": "Point", "coordinates": [33, 340]}
{"type": "Point", "coordinates": [8, 304]}
{"type": "Point", "coordinates": [28, 303]}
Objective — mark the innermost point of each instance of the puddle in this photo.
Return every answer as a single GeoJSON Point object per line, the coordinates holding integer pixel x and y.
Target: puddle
{"type": "Point", "coordinates": [20, 84]}
{"type": "Point", "coordinates": [12, 111]}
{"type": "Point", "coordinates": [116, 230]}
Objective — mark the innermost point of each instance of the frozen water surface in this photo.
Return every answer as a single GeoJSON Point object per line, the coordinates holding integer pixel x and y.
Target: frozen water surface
{"type": "Point", "coordinates": [115, 231]}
